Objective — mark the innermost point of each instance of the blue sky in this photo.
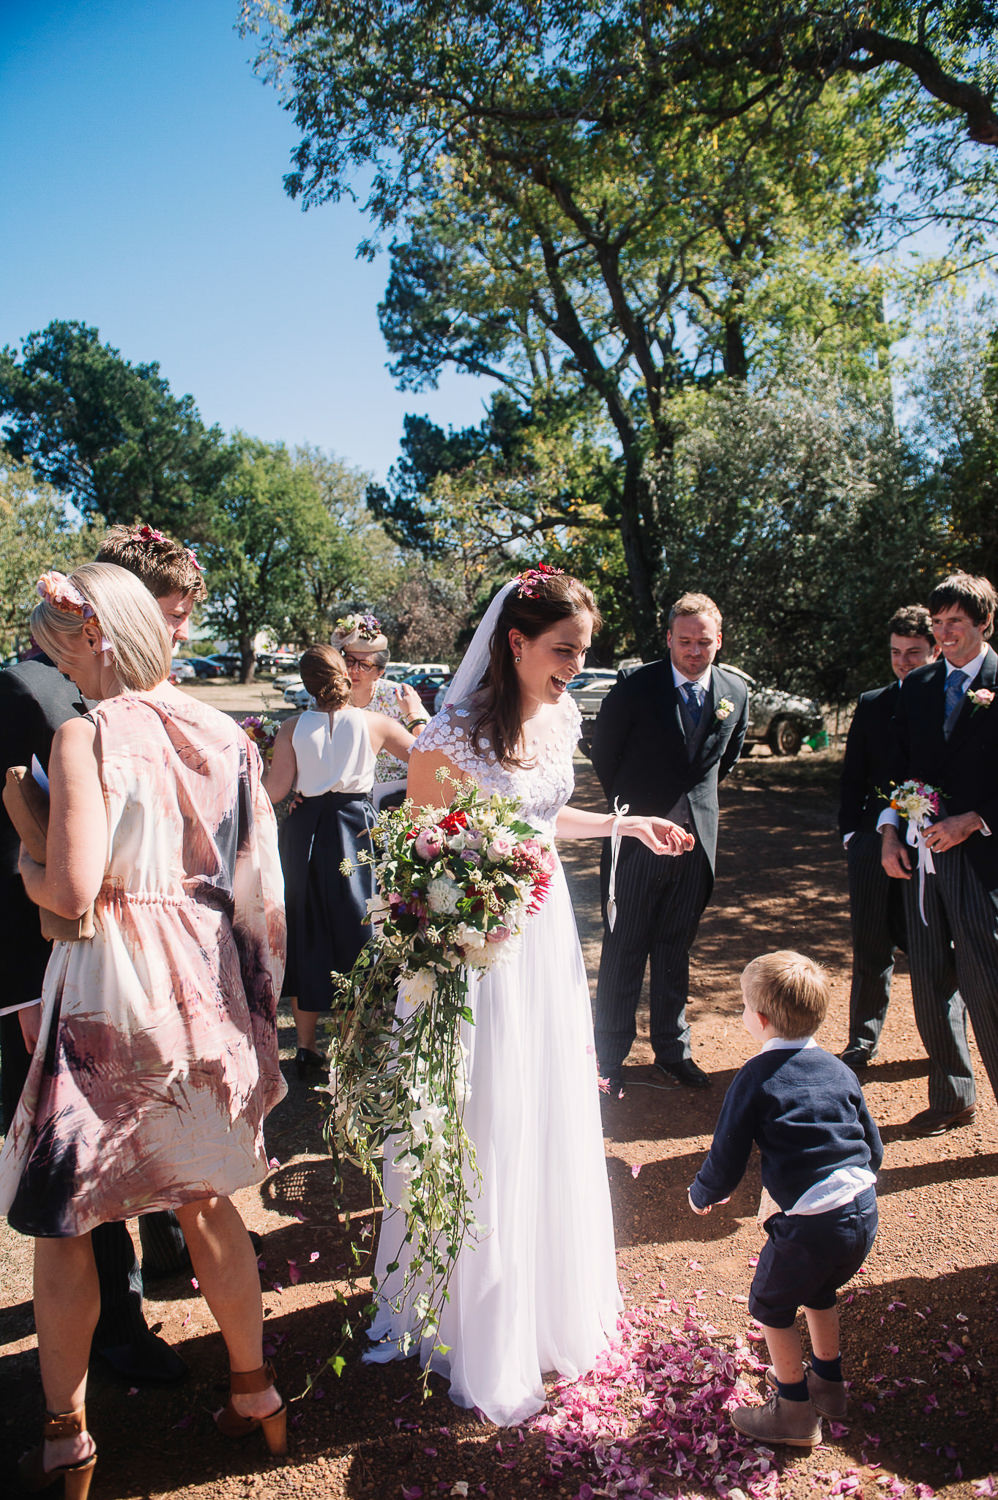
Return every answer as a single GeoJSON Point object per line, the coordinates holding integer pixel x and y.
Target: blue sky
{"type": "Point", "coordinates": [143, 163]}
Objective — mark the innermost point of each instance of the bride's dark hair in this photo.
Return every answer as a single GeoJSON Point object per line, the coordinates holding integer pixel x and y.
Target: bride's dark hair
{"type": "Point", "coordinates": [552, 597]}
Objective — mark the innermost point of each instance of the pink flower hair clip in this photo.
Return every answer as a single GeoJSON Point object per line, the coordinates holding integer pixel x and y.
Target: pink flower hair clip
{"type": "Point", "coordinates": [532, 579]}
{"type": "Point", "coordinates": [147, 534]}
{"type": "Point", "coordinates": [192, 558]}
{"type": "Point", "coordinates": [57, 590]}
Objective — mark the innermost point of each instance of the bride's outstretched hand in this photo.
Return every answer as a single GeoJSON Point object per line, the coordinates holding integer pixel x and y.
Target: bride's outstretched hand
{"type": "Point", "coordinates": [661, 836]}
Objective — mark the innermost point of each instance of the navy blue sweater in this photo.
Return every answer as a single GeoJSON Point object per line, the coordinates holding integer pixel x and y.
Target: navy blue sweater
{"type": "Point", "coordinates": [806, 1112]}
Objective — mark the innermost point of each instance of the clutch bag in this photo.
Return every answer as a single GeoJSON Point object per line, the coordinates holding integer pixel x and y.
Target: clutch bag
{"type": "Point", "coordinates": [28, 809]}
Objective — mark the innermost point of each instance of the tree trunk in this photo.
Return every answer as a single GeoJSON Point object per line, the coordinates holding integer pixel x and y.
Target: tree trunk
{"type": "Point", "coordinates": [643, 555]}
{"type": "Point", "coordinates": [247, 665]}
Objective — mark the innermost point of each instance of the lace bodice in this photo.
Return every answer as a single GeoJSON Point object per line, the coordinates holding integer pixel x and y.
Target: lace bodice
{"type": "Point", "coordinates": [541, 788]}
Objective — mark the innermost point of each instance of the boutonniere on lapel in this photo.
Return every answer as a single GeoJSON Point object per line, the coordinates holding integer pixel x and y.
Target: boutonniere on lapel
{"type": "Point", "coordinates": [980, 698]}
{"type": "Point", "coordinates": [723, 709]}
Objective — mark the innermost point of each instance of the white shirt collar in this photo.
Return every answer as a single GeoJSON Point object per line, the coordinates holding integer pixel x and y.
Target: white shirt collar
{"type": "Point", "coordinates": [679, 679]}
{"type": "Point", "coordinates": [971, 668]}
{"type": "Point", "coordinates": [776, 1042]}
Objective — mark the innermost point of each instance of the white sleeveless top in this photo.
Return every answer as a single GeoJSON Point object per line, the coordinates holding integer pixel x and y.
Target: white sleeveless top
{"type": "Point", "coordinates": [333, 758]}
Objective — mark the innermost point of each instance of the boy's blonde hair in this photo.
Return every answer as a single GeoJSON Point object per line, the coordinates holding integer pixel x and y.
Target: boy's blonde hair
{"type": "Point", "coordinates": [128, 617]}
{"type": "Point", "coordinates": [789, 989]}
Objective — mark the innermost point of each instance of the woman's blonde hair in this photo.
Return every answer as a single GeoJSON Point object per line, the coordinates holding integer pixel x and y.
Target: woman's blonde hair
{"type": "Point", "coordinates": [127, 616]}
{"type": "Point", "coordinates": [324, 673]}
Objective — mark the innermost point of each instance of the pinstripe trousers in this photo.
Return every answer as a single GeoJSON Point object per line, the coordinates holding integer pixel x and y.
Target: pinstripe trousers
{"type": "Point", "coordinates": [954, 972]}
{"type": "Point", "coordinates": [876, 920]}
{"type": "Point", "coordinates": [660, 899]}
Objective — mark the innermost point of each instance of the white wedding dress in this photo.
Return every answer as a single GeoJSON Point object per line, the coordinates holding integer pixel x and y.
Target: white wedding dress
{"type": "Point", "coordinates": [537, 1291]}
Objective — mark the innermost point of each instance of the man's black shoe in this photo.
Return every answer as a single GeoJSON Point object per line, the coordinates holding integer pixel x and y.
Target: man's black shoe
{"type": "Point", "coordinates": [856, 1057]}
{"type": "Point", "coordinates": [147, 1360]}
{"type": "Point", "coordinates": [938, 1121]}
{"type": "Point", "coordinates": [686, 1072]}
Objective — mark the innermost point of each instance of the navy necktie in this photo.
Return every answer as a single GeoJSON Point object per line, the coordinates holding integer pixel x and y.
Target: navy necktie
{"type": "Point", "coordinates": [693, 693]}
{"type": "Point", "coordinates": [954, 698]}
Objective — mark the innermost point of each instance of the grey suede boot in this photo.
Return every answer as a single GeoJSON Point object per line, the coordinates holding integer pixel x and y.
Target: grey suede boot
{"type": "Point", "coordinates": [828, 1397]}
{"type": "Point", "coordinates": [778, 1421]}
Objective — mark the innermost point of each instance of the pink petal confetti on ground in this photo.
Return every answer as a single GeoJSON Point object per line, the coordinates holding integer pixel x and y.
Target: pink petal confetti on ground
{"type": "Point", "coordinates": [273, 1164]}
{"type": "Point", "coordinates": [635, 1168]}
{"type": "Point", "coordinates": [313, 1257]}
{"type": "Point", "coordinates": [195, 1283]}
{"type": "Point", "coordinates": [294, 1275]}
{"type": "Point", "coordinates": [986, 1486]}
{"type": "Point", "coordinates": [412, 1493]}
{"type": "Point", "coordinates": [654, 1410]}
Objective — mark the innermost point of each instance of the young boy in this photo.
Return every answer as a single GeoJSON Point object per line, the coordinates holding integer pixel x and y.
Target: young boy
{"type": "Point", "coordinates": [820, 1152]}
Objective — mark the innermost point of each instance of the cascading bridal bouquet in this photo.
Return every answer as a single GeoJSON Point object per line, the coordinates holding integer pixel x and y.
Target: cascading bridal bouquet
{"type": "Point", "coordinates": [455, 887]}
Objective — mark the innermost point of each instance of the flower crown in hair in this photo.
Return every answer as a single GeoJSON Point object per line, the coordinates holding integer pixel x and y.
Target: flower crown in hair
{"type": "Point", "coordinates": [533, 578]}
{"type": "Point", "coordinates": [57, 590]}
{"type": "Point", "coordinates": [366, 626]}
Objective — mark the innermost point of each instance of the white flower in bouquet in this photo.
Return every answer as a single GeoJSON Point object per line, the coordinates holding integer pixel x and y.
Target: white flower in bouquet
{"type": "Point", "coordinates": [442, 895]}
{"type": "Point", "coordinates": [418, 988]}
{"type": "Point", "coordinates": [469, 939]}
{"type": "Point", "coordinates": [378, 909]}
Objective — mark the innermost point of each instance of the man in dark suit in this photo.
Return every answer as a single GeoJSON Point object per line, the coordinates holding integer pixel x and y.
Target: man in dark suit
{"type": "Point", "coordinates": [665, 736]}
{"type": "Point", "coordinates": [876, 905]}
{"type": "Point", "coordinates": [947, 737]}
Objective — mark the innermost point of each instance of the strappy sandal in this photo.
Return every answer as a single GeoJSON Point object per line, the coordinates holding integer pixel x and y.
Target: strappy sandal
{"type": "Point", "coordinates": [232, 1424]}
{"type": "Point", "coordinates": [32, 1471]}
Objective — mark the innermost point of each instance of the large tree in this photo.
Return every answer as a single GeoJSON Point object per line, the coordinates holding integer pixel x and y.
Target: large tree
{"type": "Point", "coordinates": [268, 517]}
{"type": "Point", "coordinates": [617, 199]}
{"type": "Point", "coordinates": [108, 434]}
{"type": "Point", "coordinates": [35, 535]}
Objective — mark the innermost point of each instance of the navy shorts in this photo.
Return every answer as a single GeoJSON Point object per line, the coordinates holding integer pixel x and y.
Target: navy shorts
{"type": "Point", "coordinates": [807, 1257]}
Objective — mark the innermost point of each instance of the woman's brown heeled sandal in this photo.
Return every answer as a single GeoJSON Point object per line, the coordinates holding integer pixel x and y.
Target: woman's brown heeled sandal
{"type": "Point", "coordinates": [234, 1425]}
{"type": "Point", "coordinates": [32, 1471]}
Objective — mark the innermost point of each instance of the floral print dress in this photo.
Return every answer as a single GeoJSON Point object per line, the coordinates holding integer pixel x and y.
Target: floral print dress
{"type": "Point", "coordinates": [158, 1055]}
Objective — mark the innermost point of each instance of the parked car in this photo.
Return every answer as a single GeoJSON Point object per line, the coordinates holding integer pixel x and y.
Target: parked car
{"type": "Point", "coordinates": [589, 687]}
{"type": "Point", "coordinates": [427, 685]}
{"type": "Point", "coordinates": [218, 664]}
{"type": "Point", "coordinates": [398, 671]}
{"type": "Point", "coordinates": [298, 694]}
{"type": "Point", "coordinates": [181, 669]}
{"type": "Point", "coordinates": [783, 721]}
{"type": "Point", "coordinates": [276, 661]}
{"type": "Point", "coordinates": [204, 667]}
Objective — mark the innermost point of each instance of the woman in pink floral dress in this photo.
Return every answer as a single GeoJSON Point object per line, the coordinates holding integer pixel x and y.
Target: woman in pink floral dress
{"type": "Point", "coordinates": [155, 1054]}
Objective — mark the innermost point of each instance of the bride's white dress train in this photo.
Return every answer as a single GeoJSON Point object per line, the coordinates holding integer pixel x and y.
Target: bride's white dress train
{"type": "Point", "coordinates": [537, 1291]}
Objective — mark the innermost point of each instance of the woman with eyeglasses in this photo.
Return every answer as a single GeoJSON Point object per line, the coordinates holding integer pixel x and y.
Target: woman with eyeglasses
{"type": "Point", "coordinates": [327, 755]}
{"type": "Point", "coordinates": [365, 652]}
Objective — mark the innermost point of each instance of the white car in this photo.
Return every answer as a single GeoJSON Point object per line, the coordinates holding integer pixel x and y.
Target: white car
{"type": "Point", "coordinates": [589, 687]}
{"type": "Point", "coordinates": [181, 670]}
{"type": "Point", "coordinates": [298, 694]}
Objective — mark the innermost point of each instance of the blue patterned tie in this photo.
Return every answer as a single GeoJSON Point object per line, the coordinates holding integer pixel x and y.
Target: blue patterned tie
{"type": "Point", "coordinates": [693, 693]}
{"type": "Point", "coordinates": [953, 700]}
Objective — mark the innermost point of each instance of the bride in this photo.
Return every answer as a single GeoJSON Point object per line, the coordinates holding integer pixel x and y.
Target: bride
{"type": "Point", "coordinates": [536, 1290]}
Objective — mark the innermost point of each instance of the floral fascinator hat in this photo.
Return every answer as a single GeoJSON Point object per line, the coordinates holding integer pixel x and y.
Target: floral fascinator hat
{"type": "Point", "coordinates": [358, 633]}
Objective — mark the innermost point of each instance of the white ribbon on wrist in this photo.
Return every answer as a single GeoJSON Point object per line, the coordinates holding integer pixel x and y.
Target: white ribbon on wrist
{"type": "Point", "coordinates": [611, 895]}
{"type": "Point", "coordinates": [926, 864]}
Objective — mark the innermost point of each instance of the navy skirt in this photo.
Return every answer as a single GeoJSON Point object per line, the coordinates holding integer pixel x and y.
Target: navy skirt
{"type": "Point", "coordinates": [326, 909]}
